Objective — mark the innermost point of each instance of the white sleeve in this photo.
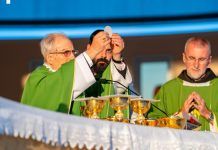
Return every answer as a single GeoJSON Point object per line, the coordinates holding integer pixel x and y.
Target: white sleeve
{"type": "Point", "coordinates": [120, 66]}
{"type": "Point", "coordinates": [83, 76]}
{"type": "Point", "coordinates": [116, 76]}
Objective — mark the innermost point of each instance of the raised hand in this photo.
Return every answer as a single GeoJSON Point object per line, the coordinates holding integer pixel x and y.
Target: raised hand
{"type": "Point", "coordinates": [117, 44]}
{"type": "Point", "coordinates": [99, 43]}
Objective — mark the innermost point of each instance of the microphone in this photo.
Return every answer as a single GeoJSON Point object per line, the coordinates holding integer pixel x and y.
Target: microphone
{"type": "Point", "coordinates": [106, 81]}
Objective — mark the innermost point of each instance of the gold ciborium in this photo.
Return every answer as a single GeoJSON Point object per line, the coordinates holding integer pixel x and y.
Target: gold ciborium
{"type": "Point", "coordinates": [119, 102]}
{"type": "Point", "coordinates": [93, 106]}
{"type": "Point", "coordinates": [172, 122]}
{"type": "Point", "coordinates": [141, 107]}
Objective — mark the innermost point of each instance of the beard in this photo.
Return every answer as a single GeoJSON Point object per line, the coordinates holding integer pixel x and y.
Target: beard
{"type": "Point", "coordinates": [100, 65]}
{"type": "Point", "coordinates": [196, 75]}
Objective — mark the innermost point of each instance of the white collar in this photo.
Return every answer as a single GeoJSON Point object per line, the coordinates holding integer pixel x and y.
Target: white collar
{"type": "Point", "coordinates": [186, 83]}
{"type": "Point", "coordinates": [49, 67]}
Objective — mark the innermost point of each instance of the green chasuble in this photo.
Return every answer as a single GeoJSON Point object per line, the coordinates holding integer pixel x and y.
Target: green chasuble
{"type": "Point", "coordinates": [50, 90]}
{"type": "Point", "coordinates": [173, 94]}
{"type": "Point", "coordinates": [100, 89]}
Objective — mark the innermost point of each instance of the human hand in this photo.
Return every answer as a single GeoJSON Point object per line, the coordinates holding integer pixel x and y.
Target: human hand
{"type": "Point", "coordinates": [117, 46]}
{"type": "Point", "coordinates": [188, 104]}
{"type": "Point", "coordinates": [200, 105]}
{"type": "Point", "coordinates": [100, 42]}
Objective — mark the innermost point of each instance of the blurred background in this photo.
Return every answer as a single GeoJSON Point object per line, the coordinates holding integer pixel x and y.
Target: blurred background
{"type": "Point", "coordinates": [154, 31]}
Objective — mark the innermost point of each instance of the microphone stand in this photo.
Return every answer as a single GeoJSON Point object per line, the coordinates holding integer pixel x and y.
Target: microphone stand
{"type": "Point", "coordinates": [106, 80]}
{"type": "Point", "coordinates": [71, 104]}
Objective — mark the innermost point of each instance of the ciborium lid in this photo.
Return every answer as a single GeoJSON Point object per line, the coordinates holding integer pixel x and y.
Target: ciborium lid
{"type": "Point", "coordinates": [120, 95]}
{"type": "Point", "coordinates": [90, 98]}
{"type": "Point", "coordinates": [144, 99]}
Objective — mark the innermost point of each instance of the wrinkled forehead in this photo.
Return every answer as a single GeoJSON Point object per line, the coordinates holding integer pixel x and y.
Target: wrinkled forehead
{"type": "Point", "coordinates": [198, 50]}
{"type": "Point", "coordinates": [198, 44]}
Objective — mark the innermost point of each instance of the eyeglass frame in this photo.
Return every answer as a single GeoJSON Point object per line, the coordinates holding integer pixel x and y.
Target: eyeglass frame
{"type": "Point", "coordinates": [75, 52]}
{"type": "Point", "coordinates": [193, 59]}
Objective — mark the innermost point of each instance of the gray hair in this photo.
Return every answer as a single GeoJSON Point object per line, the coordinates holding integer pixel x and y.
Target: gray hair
{"type": "Point", "coordinates": [198, 41]}
{"type": "Point", "coordinates": [47, 43]}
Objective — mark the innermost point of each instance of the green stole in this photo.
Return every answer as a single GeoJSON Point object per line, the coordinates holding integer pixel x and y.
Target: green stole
{"type": "Point", "coordinates": [50, 90]}
{"type": "Point", "coordinates": [100, 89]}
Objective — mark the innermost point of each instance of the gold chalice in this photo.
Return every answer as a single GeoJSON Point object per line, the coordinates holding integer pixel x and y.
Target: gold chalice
{"type": "Point", "coordinates": [93, 106]}
{"type": "Point", "coordinates": [119, 102]}
{"type": "Point", "coordinates": [141, 107]}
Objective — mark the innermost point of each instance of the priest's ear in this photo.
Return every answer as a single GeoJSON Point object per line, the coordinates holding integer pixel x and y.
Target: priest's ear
{"type": "Point", "coordinates": [88, 46]}
{"type": "Point", "coordinates": [183, 57]}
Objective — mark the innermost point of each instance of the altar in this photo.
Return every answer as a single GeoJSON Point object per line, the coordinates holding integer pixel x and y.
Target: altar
{"type": "Point", "coordinates": [21, 122]}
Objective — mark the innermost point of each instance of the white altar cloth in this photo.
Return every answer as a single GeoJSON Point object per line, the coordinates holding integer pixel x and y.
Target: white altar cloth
{"type": "Point", "coordinates": [62, 129]}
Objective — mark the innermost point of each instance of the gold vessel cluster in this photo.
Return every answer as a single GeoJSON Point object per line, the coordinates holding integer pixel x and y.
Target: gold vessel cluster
{"type": "Point", "coordinates": [93, 106]}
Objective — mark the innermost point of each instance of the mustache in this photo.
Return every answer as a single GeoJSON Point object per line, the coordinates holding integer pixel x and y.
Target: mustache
{"type": "Point", "coordinates": [100, 65]}
{"type": "Point", "coordinates": [102, 60]}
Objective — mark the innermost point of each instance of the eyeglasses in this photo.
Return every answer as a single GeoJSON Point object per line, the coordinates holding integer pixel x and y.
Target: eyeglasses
{"type": "Point", "coordinates": [193, 59]}
{"type": "Point", "coordinates": [67, 53]}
